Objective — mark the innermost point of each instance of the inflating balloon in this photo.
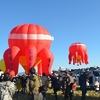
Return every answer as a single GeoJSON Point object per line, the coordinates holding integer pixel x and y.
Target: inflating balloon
{"type": "Point", "coordinates": [29, 45]}
{"type": "Point", "coordinates": [78, 53]}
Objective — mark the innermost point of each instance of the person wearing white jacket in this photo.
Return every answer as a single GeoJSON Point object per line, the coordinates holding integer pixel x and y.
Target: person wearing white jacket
{"type": "Point", "coordinates": [7, 87]}
{"type": "Point", "coordinates": [96, 84]}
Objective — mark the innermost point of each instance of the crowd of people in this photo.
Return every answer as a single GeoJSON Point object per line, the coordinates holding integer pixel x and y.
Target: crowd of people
{"type": "Point", "coordinates": [36, 86]}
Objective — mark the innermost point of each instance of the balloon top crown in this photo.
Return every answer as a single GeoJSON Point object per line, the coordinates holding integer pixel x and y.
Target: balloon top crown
{"type": "Point", "coordinates": [78, 43]}
{"type": "Point", "coordinates": [30, 31]}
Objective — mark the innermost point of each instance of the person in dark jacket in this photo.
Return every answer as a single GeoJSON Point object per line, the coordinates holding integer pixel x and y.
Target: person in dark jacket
{"type": "Point", "coordinates": [23, 83]}
{"type": "Point", "coordinates": [55, 84]}
{"type": "Point", "coordinates": [69, 80]}
{"type": "Point", "coordinates": [82, 82]}
{"type": "Point", "coordinates": [44, 80]}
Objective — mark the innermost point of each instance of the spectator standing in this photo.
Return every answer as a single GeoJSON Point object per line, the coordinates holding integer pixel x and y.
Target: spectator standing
{"type": "Point", "coordinates": [87, 83]}
{"type": "Point", "coordinates": [1, 75]}
{"type": "Point", "coordinates": [23, 83]}
{"type": "Point", "coordinates": [1, 72]}
{"type": "Point", "coordinates": [55, 83]}
{"type": "Point", "coordinates": [7, 87]}
{"type": "Point", "coordinates": [32, 85]}
{"type": "Point", "coordinates": [82, 82]}
{"type": "Point", "coordinates": [18, 84]}
{"type": "Point", "coordinates": [68, 86]}
{"type": "Point", "coordinates": [96, 84]}
{"type": "Point", "coordinates": [61, 81]}
{"type": "Point", "coordinates": [44, 83]}
{"type": "Point", "coordinates": [73, 88]}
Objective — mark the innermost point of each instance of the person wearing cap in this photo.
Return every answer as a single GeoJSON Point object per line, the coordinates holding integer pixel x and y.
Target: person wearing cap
{"type": "Point", "coordinates": [32, 85]}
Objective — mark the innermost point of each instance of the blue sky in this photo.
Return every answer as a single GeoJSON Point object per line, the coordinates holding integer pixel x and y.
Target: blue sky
{"type": "Point", "coordinates": [68, 21]}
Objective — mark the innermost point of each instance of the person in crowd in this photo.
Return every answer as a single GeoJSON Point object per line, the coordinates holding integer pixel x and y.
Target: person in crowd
{"type": "Point", "coordinates": [55, 83]}
{"type": "Point", "coordinates": [1, 72]}
{"type": "Point", "coordinates": [7, 87]}
{"type": "Point", "coordinates": [69, 80]}
{"type": "Point", "coordinates": [63, 83]}
{"type": "Point", "coordinates": [45, 83]}
{"type": "Point", "coordinates": [96, 84]}
{"type": "Point", "coordinates": [87, 83]}
{"type": "Point", "coordinates": [14, 80]}
{"type": "Point", "coordinates": [23, 83]}
{"type": "Point", "coordinates": [73, 88]}
{"type": "Point", "coordinates": [82, 82]}
{"type": "Point", "coordinates": [18, 84]}
{"type": "Point", "coordinates": [1, 75]}
{"type": "Point", "coordinates": [32, 85]}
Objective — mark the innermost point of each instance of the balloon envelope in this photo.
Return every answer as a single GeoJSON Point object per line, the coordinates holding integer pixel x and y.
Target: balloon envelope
{"type": "Point", "coordinates": [78, 53]}
{"type": "Point", "coordinates": [25, 42]}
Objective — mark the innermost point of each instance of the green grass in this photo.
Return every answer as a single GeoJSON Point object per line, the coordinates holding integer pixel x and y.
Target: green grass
{"type": "Point", "coordinates": [50, 95]}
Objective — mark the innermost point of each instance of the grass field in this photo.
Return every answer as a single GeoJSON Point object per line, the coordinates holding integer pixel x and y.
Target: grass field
{"type": "Point", "coordinates": [50, 95]}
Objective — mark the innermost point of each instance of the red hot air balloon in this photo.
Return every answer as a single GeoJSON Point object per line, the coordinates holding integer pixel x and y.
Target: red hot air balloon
{"type": "Point", "coordinates": [78, 53]}
{"type": "Point", "coordinates": [29, 45]}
